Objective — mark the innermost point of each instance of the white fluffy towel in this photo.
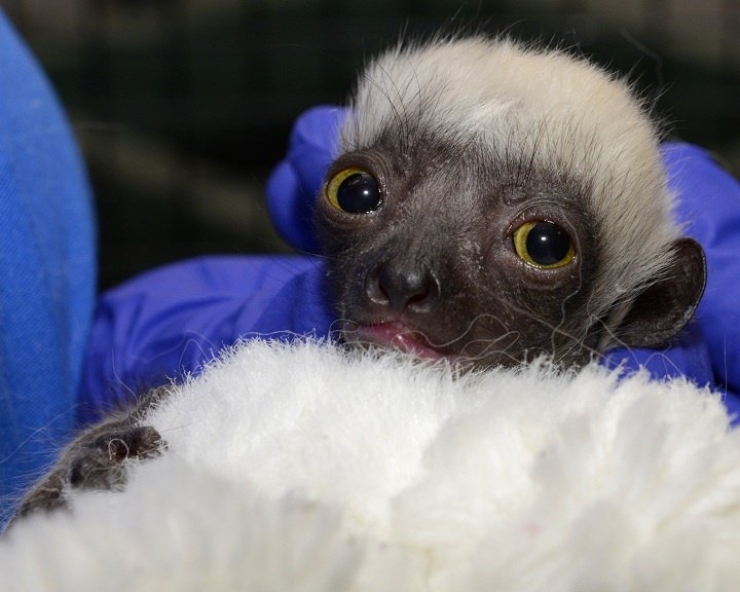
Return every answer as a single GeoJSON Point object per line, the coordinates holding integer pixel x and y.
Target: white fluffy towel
{"type": "Point", "coordinates": [305, 467]}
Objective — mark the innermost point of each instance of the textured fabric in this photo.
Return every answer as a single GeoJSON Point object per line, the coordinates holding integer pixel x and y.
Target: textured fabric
{"type": "Point", "coordinates": [47, 273]}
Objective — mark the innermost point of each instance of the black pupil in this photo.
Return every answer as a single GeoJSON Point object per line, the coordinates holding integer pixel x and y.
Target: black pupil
{"type": "Point", "coordinates": [358, 194]}
{"type": "Point", "coordinates": [547, 244]}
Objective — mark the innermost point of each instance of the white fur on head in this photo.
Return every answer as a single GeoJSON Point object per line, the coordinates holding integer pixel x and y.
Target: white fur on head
{"type": "Point", "coordinates": [545, 107]}
{"type": "Point", "coordinates": [308, 468]}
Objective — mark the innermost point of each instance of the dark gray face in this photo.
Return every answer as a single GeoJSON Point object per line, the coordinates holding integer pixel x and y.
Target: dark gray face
{"type": "Point", "coordinates": [448, 251]}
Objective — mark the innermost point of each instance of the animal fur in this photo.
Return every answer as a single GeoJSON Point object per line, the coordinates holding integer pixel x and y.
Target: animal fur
{"type": "Point", "coordinates": [350, 471]}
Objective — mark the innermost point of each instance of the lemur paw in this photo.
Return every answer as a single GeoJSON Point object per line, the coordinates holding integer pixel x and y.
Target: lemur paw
{"type": "Point", "coordinates": [100, 464]}
{"type": "Point", "coordinates": [97, 461]}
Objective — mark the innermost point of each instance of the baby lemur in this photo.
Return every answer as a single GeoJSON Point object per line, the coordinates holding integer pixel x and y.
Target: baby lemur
{"type": "Point", "coordinates": [490, 203]}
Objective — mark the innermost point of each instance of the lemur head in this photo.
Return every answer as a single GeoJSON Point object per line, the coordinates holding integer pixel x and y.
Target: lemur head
{"type": "Point", "coordinates": [491, 203]}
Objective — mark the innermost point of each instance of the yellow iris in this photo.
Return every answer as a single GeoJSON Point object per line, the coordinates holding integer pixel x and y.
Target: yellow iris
{"type": "Point", "coordinates": [543, 244]}
{"type": "Point", "coordinates": [354, 191]}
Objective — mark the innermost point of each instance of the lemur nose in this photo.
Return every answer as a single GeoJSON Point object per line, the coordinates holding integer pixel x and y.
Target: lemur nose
{"type": "Point", "coordinates": [403, 286]}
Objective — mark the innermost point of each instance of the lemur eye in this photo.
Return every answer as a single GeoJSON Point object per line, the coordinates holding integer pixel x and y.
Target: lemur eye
{"type": "Point", "coordinates": [354, 191]}
{"type": "Point", "coordinates": [543, 244]}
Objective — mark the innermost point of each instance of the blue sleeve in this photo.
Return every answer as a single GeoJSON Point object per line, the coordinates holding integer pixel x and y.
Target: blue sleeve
{"type": "Point", "coordinates": [47, 268]}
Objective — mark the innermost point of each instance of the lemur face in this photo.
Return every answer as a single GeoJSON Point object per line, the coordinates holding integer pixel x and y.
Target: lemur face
{"type": "Point", "coordinates": [491, 204]}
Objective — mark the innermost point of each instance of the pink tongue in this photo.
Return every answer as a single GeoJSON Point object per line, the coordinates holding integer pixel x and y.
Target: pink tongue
{"type": "Point", "coordinates": [399, 337]}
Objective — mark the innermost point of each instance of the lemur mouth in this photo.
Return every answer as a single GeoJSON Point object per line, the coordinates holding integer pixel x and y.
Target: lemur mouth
{"type": "Point", "coordinates": [396, 335]}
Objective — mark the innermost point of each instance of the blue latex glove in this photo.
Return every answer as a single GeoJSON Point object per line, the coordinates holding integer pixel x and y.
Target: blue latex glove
{"type": "Point", "coordinates": [47, 269]}
{"type": "Point", "coordinates": [172, 320]}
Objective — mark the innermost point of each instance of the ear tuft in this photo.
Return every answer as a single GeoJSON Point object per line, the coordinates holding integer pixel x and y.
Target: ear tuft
{"type": "Point", "coordinates": [664, 308]}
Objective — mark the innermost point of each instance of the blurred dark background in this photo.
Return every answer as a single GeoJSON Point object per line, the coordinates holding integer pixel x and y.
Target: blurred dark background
{"type": "Point", "coordinates": [183, 106]}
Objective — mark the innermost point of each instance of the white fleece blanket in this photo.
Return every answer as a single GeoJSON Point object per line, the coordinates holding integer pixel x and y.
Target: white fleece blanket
{"type": "Point", "coordinates": [306, 468]}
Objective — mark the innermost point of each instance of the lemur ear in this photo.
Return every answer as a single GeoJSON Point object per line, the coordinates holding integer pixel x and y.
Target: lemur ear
{"type": "Point", "coordinates": [665, 308]}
